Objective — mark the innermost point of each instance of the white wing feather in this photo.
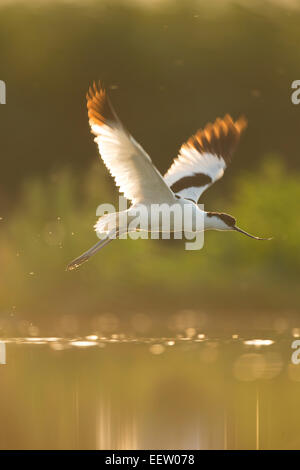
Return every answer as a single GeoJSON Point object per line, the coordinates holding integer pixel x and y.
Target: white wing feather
{"type": "Point", "coordinates": [131, 167]}
{"type": "Point", "coordinates": [203, 159]}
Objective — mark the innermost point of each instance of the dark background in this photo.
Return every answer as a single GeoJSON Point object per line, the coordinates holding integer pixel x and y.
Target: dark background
{"type": "Point", "coordinates": [170, 67]}
{"type": "Point", "coordinates": [175, 66]}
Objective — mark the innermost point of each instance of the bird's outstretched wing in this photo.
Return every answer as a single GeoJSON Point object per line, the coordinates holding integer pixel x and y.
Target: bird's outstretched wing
{"type": "Point", "coordinates": [131, 167]}
{"type": "Point", "coordinates": [203, 159]}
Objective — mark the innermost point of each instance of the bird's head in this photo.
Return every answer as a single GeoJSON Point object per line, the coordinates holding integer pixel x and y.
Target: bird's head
{"type": "Point", "coordinates": [222, 221]}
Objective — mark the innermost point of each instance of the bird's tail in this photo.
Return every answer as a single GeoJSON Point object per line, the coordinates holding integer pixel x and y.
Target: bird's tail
{"type": "Point", "coordinates": [110, 222]}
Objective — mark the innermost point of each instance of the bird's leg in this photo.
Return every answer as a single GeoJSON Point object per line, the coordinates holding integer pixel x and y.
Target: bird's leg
{"type": "Point", "coordinates": [87, 254]}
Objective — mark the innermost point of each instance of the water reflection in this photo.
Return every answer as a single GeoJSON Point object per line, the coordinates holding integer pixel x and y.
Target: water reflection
{"type": "Point", "coordinates": [127, 392]}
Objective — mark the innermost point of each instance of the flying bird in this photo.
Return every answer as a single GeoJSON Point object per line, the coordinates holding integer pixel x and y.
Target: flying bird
{"type": "Point", "coordinates": [201, 162]}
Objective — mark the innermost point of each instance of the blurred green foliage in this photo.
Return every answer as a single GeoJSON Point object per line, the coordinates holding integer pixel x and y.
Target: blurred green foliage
{"type": "Point", "coordinates": [53, 224]}
{"type": "Point", "coordinates": [169, 69]}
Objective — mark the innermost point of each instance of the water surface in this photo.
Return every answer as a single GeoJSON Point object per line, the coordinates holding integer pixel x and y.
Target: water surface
{"type": "Point", "coordinates": [189, 391]}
